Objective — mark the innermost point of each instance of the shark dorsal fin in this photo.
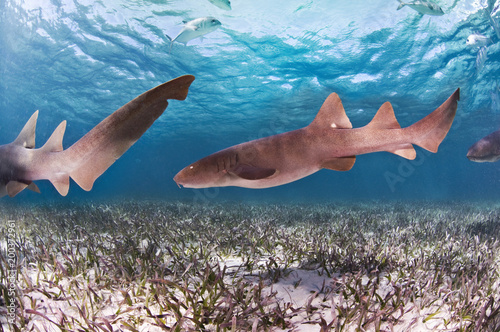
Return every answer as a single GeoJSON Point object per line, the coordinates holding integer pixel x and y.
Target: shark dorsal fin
{"type": "Point", "coordinates": [26, 137]}
{"type": "Point", "coordinates": [384, 119]}
{"type": "Point", "coordinates": [332, 114]}
{"type": "Point", "coordinates": [54, 143]}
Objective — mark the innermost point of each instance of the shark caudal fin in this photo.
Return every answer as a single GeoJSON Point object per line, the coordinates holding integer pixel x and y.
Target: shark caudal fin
{"type": "Point", "coordinates": [105, 143]}
{"type": "Point", "coordinates": [429, 132]}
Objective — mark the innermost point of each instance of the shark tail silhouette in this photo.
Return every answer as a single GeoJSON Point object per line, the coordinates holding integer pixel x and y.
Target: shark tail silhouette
{"type": "Point", "coordinates": [91, 156]}
{"type": "Point", "coordinates": [429, 132]}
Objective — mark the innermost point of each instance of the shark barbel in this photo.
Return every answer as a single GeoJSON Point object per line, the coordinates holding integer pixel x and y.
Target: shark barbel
{"type": "Point", "coordinates": [21, 163]}
{"type": "Point", "coordinates": [328, 142]}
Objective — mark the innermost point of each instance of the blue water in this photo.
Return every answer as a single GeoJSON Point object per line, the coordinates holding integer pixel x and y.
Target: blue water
{"type": "Point", "coordinates": [267, 70]}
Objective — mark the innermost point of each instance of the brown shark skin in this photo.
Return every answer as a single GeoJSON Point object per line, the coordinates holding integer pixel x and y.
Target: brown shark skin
{"type": "Point", "coordinates": [89, 157]}
{"type": "Point", "coordinates": [487, 149]}
{"type": "Point", "coordinates": [287, 157]}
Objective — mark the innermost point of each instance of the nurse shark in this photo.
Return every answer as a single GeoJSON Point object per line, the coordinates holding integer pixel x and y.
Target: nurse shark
{"type": "Point", "coordinates": [328, 142]}
{"type": "Point", "coordinates": [487, 149]}
{"type": "Point", "coordinates": [21, 163]}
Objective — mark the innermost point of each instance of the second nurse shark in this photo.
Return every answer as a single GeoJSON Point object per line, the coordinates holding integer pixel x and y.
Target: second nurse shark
{"type": "Point", "coordinates": [21, 163]}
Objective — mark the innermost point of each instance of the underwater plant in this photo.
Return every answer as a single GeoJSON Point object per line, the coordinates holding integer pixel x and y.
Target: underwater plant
{"type": "Point", "coordinates": [161, 266]}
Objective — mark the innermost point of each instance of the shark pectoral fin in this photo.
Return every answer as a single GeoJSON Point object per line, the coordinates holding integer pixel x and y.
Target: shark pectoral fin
{"type": "Point", "coordinates": [61, 183]}
{"type": "Point", "coordinates": [15, 187]}
{"type": "Point", "coordinates": [407, 151]}
{"type": "Point", "coordinates": [33, 187]}
{"type": "Point", "coordinates": [332, 114]}
{"type": "Point", "coordinates": [384, 118]}
{"type": "Point", "coordinates": [339, 164]}
{"type": "Point", "coordinates": [26, 137]}
{"type": "Point", "coordinates": [248, 172]}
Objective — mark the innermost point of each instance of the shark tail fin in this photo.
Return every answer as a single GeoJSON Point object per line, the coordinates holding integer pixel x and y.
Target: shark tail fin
{"type": "Point", "coordinates": [26, 137]}
{"type": "Point", "coordinates": [429, 132]}
{"type": "Point", "coordinates": [401, 4]}
{"type": "Point", "coordinates": [105, 143]}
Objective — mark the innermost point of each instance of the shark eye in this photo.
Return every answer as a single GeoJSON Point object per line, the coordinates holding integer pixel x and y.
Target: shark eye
{"type": "Point", "coordinates": [191, 167]}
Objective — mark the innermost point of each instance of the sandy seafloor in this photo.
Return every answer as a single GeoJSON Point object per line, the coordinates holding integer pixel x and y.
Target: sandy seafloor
{"type": "Point", "coordinates": [172, 266]}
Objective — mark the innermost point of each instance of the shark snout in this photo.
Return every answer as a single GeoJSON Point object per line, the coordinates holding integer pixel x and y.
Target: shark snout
{"type": "Point", "coordinates": [470, 156]}
{"type": "Point", "coordinates": [178, 180]}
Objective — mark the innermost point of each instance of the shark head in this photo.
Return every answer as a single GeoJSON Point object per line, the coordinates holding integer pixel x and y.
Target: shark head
{"type": "Point", "coordinates": [228, 167]}
{"type": "Point", "coordinates": [201, 174]}
{"type": "Point", "coordinates": [486, 149]}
